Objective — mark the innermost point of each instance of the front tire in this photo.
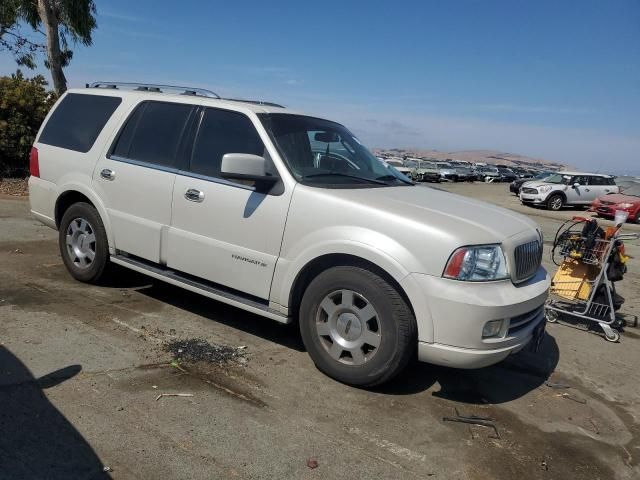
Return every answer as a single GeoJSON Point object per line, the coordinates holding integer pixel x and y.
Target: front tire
{"type": "Point", "coordinates": [357, 327]}
{"type": "Point", "coordinates": [83, 244]}
{"type": "Point", "coordinates": [555, 202]}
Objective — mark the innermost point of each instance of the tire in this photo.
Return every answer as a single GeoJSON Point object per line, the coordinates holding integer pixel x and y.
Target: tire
{"type": "Point", "coordinates": [555, 202]}
{"type": "Point", "coordinates": [83, 244]}
{"type": "Point", "coordinates": [373, 311]}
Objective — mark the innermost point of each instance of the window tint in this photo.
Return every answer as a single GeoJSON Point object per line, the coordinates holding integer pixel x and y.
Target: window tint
{"type": "Point", "coordinates": [78, 120]}
{"type": "Point", "coordinates": [598, 181]}
{"type": "Point", "coordinates": [582, 180]}
{"type": "Point", "coordinates": [221, 132]}
{"type": "Point", "coordinates": [152, 133]}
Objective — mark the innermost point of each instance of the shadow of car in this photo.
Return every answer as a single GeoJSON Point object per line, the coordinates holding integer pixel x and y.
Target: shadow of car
{"type": "Point", "coordinates": [36, 440]}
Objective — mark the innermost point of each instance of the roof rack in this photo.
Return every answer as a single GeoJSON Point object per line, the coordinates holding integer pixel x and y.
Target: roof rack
{"type": "Point", "coordinates": [254, 102]}
{"type": "Point", "coordinates": [151, 87]}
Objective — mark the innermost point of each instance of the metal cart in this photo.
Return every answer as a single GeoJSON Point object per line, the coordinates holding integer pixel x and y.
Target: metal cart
{"type": "Point", "coordinates": [580, 287]}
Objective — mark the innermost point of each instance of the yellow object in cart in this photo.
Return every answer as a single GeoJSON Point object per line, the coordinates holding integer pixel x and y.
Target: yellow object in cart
{"type": "Point", "coordinates": [574, 280]}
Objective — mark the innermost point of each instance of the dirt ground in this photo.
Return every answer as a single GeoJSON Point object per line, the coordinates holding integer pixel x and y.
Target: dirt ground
{"type": "Point", "coordinates": [82, 367]}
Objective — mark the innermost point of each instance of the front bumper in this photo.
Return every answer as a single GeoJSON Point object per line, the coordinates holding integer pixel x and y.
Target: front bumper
{"type": "Point", "coordinates": [537, 199]}
{"type": "Point", "coordinates": [459, 311]}
{"type": "Point", "coordinates": [609, 211]}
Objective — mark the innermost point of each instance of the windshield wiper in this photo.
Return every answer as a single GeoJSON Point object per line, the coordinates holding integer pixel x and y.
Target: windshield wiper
{"type": "Point", "coordinates": [346, 175]}
{"type": "Point", "coordinates": [393, 177]}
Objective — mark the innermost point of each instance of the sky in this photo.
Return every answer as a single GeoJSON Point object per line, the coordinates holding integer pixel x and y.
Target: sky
{"type": "Point", "coordinates": [558, 80]}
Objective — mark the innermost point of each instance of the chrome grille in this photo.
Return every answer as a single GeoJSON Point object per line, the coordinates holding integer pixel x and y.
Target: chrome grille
{"type": "Point", "coordinates": [527, 258]}
{"type": "Point", "coordinates": [529, 190]}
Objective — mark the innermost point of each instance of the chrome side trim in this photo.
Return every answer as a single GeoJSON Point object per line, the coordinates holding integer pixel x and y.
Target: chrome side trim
{"type": "Point", "coordinates": [175, 278]}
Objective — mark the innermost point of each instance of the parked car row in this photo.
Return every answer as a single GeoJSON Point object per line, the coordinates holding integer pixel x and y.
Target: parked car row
{"type": "Point", "coordinates": [420, 170]}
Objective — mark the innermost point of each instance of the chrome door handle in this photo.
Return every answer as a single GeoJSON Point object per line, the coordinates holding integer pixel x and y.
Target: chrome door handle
{"type": "Point", "coordinates": [194, 195]}
{"type": "Point", "coordinates": [108, 174]}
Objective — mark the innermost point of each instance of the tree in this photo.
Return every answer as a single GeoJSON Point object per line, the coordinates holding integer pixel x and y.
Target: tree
{"type": "Point", "coordinates": [63, 21]}
{"type": "Point", "coordinates": [24, 102]}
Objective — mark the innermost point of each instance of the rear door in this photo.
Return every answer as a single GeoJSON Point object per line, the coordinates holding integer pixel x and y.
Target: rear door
{"type": "Point", "coordinates": [135, 177]}
{"type": "Point", "coordinates": [601, 186]}
{"type": "Point", "coordinates": [225, 231]}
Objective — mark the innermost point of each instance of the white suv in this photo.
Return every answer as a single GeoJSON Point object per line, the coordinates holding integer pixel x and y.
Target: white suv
{"type": "Point", "coordinates": [290, 217]}
{"type": "Point", "coordinates": [567, 188]}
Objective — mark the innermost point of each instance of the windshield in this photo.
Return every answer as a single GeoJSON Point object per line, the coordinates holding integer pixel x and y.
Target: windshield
{"type": "Point", "coordinates": [324, 153]}
{"type": "Point", "coordinates": [541, 176]}
{"type": "Point", "coordinates": [558, 179]}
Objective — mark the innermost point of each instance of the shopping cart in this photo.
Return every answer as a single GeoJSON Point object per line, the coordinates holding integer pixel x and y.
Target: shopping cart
{"type": "Point", "coordinates": [582, 287]}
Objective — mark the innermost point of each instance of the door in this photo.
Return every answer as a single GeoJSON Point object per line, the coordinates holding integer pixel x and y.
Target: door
{"type": "Point", "coordinates": [223, 231]}
{"type": "Point", "coordinates": [601, 186]}
{"type": "Point", "coordinates": [583, 193]}
{"type": "Point", "coordinates": [135, 178]}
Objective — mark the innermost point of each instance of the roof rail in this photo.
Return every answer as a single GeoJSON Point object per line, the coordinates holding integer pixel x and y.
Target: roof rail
{"type": "Point", "coordinates": [151, 87]}
{"type": "Point", "coordinates": [255, 102]}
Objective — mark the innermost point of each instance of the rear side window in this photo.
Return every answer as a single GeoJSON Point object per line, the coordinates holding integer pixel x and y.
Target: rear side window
{"type": "Point", "coordinates": [78, 120]}
{"type": "Point", "coordinates": [221, 132]}
{"type": "Point", "coordinates": [152, 133]}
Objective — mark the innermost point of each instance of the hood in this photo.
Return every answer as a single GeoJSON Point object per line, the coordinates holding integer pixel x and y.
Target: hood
{"type": "Point", "coordinates": [538, 184]}
{"type": "Point", "coordinates": [619, 198]}
{"type": "Point", "coordinates": [469, 220]}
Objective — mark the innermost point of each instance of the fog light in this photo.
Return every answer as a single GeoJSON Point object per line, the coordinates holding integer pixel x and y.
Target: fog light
{"type": "Point", "coordinates": [492, 328]}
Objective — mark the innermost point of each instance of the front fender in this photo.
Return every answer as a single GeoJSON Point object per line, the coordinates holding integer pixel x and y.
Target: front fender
{"type": "Point", "coordinates": [366, 244]}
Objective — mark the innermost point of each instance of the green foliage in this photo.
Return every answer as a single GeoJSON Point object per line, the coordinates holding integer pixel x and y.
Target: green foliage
{"type": "Point", "coordinates": [24, 102]}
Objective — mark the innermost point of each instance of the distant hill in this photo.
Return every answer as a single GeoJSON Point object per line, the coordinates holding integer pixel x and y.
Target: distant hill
{"type": "Point", "coordinates": [474, 156]}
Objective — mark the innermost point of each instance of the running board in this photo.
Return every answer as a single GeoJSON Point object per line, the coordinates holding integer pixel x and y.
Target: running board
{"type": "Point", "coordinates": [180, 280]}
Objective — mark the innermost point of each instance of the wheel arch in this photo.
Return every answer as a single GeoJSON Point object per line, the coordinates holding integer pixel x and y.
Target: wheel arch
{"type": "Point", "coordinates": [324, 262]}
{"type": "Point", "coordinates": [71, 194]}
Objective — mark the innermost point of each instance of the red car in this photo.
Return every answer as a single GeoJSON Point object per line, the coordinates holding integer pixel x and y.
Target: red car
{"type": "Point", "coordinates": [628, 200]}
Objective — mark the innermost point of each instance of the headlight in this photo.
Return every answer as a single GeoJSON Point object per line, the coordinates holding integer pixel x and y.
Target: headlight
{"type": "Point", "coordinates": [625, 205]}
{"type": "Point", "coordinates": [545, 188]}
{"type": "Point", "coordinates": [477, 264]}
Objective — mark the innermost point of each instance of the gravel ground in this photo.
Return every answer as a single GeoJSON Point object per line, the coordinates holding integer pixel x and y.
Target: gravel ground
{"type": "Point", "coordinates": [14, 187]}
{"type": "Point", "coordinates": [81, 368]}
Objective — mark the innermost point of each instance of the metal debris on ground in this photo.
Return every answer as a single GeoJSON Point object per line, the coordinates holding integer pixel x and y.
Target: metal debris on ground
{"type": "Point", "coordinates": [557, 385]}
{"type": "Point", "coordinates": [572, 397]}
{"type": "Point", "coordinates": [173, 395]}
{"type": "Point", "coordinates": [312, 463]}
{"type": "Point", "coordinates": [474, 420]}
{"type": "Point", "coordinates": [199, 350]}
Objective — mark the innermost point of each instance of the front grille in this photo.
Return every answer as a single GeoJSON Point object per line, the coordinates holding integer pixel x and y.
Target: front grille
{"type": "Point", "coordinates": [529, 190]}
{"type": "Point", "coordinates": [528, 257]}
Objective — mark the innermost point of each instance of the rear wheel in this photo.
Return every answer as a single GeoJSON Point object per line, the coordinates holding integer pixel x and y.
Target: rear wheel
{"type": "Point", "coordinates": [356, 327]}
{"type": "Point", "coordinates": [83, 243]}
{"type": "Point", "coordinates": [555, 202]}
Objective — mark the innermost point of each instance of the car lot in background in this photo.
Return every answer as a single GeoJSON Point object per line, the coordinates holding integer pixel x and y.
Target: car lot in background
{"type": "Point", "coordinates": [567, 188]}
{"type": "Point", "coordinates": [422, 170]}
{"type": "Point", "coordinates": [488, 173]}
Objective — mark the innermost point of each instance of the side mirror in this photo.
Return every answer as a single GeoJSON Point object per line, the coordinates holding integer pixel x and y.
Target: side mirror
{"type": "Point", "coordinates": [244, 166]}
{"type": "Point", "coordinates": [576, 185]}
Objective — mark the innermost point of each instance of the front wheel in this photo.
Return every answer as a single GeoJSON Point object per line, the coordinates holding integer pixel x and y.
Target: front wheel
{"type": "Point", "coordinates": [555, 202]}
{"type": "Point", "coordinates": [357, 327]}
{"type": "Point", "coordinates": [83, 243]}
